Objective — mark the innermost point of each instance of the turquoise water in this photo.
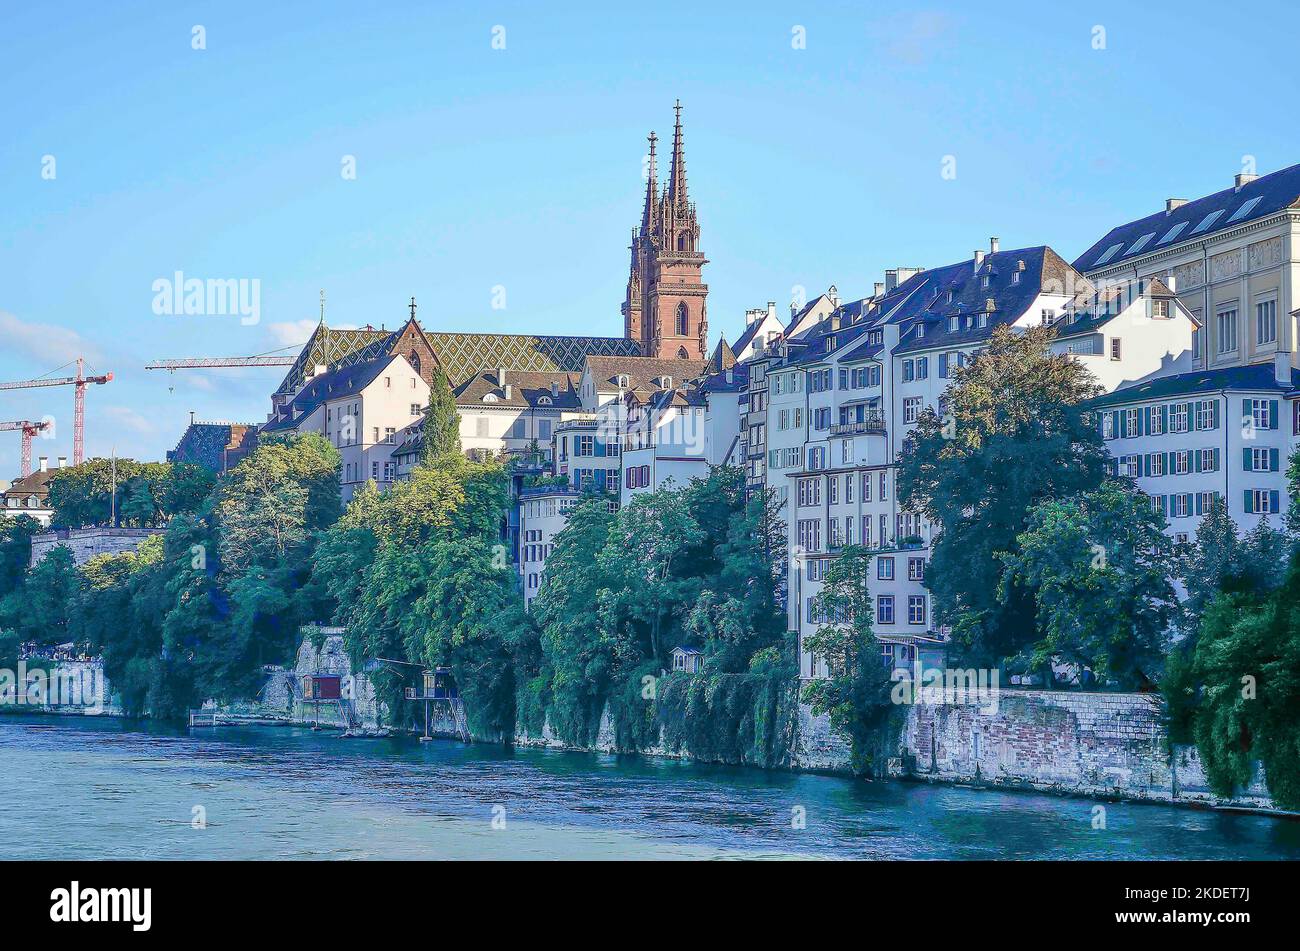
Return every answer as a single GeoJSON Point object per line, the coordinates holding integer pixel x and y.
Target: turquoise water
{"type": "Point", "coordinates": [100, 788]}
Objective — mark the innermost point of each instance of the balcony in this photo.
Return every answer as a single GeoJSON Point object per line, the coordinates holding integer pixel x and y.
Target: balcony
{"type": "Point", "coordinates": [873, 423]}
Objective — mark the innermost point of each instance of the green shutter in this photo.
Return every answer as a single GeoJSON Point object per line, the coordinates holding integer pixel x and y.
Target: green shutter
{"type": "Point", "coordinates": [1272, 414]}
{"type": "Point", "coordinates": [1272, 460]}
{"type": "Point", "coordinates": [1249, 505]}
{"type": "Point", "coordinates": [1115, 418]}
{"type": "Point", "coordinates": [1245, 460]}
{"type": "Point", "coordinates": [1164, 417]}
{"type": "Point", "coordinates": [1274, 501]}
{"type": "Point", "coordinates": [1214, 415]}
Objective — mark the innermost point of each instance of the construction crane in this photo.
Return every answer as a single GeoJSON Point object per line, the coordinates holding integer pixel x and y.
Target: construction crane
{"type": "Point", "coordinates": [29, 431]}
{"type": "Point", "coordinates": [80, 381]}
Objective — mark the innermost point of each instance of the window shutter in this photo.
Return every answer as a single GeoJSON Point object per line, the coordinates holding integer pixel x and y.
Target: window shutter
{"type": "Point", "coordinates": [1164, 417]}
{"type": "Point", "coordinates": [1245, 460]}
{"type": "Point", "coordinates": [1200, 506]}
{"type": "Point", "coordinates": [1115, 421]}
{"type": "Point", "coordinates": [1272, 414]}
{"type": "Point", "coordinates": [1274, 502]}
{"type": "Point", "coordinates": [1245, 410]}
{"type": "Point", "coordinates": [1146, 464]}
{"type": "Point", "coordinates": [1217, 462]}
{"type": "Point", "coordinates": [1196, 460]}
{"type": "Point", "coordinates": [1146, 419]}
{"type": "Point", "coordinates": [1249, 507]}
{"type": "Point", "coordinates": [1214, 415]}
{"type": "Point", "coordinates": [1272, 460]}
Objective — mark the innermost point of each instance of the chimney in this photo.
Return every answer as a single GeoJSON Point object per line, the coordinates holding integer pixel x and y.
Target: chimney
{"type": "Point", "coordinates": [501, 376]}
{"type": "Point", "coordinates": [993, 245]}
{"type": "Point", "coordinates": [731, 376]}
{"type": "Point", "coordinates": [555, 389]}
{"type": "Point", "coordinates": [1282, 368]}
{"type": "Point", "coordinates": [979, 259]}
{"type": "Point", "coordinates": [508, 389]}
{"type": "Point", "coordinates": [1245, 178]}
{"type": "Point", "coordinates": [45, 463]}
{"type": "Point", "coordinates": [63, 462]}
{"type": "Point", "coordinates": [771, 308]}
{"type": "Point", "coordinates": [1173, 204]}
{"type": "Point", "coordinates": [1171, 282]}
{"type": "Point", "coordinates": [834, 295]}
{"type": "Point", "coordinates": [880, 289]}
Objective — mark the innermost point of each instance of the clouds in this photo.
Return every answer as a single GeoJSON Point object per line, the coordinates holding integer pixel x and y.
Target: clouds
{"type": "Point", "coordinates": [292, 333]}
{"type": "Point", "coordinates": [46, 345]}
{"type": "Point", "coordinates": [125, 420]}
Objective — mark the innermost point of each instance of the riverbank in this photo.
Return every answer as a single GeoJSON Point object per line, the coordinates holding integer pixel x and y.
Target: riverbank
{"type": "Point", "coordinates": [116, 789]}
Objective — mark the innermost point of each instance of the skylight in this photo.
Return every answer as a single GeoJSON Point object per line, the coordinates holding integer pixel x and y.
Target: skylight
{"type": "Point", "coordinates": [1174, 232]}
{"type": "Point", "coordinates": [1141, 242]}
{"type": "Point", "coordinates": [1208, 221]}
{"type": "Point", "coordinates": [1245, 209]}
{"type": "Point", "coordinates": [1110, 253]}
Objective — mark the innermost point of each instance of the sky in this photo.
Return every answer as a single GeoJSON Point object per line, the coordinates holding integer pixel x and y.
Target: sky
{"type": "Point", "coordinates": [480, 154]}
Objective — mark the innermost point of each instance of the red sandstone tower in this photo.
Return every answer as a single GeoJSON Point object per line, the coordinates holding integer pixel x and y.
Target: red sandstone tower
{"type": "Point", "coordinates": [665, 308]}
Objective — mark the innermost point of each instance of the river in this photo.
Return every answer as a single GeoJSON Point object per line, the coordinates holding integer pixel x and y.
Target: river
{"type": "Point", "coordinates": [100, 788]}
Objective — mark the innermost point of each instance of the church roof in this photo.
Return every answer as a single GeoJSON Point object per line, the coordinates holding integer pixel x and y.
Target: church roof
{"type": "Point", "coordinates": [460, 355]}
{"type": "Point", "coordinates": [724, 358]}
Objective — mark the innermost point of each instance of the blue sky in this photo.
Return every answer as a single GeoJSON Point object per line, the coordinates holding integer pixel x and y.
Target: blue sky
{"type": "Point", "coordinates": [521, 167]}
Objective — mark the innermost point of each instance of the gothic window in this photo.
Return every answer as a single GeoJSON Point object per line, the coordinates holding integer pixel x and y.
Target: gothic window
{"type": "Point", "coordinates": [683, 320]}
{"type": "Point", "coordinates": [682, 354]}
{"type": "Point", "coordinates": [413, 358]}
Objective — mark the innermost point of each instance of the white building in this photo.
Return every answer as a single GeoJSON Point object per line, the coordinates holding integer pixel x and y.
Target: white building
{"type": "Point", "coordinates": [360, 409]}
{"type": "Point", "coordinates": [543, 512]}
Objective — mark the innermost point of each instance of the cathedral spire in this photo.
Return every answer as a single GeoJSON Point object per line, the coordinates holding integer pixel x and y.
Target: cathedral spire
{"type": "Point", "coordinates": [651, 186]}
{"type": "Point", "coordinates": [677, 174]}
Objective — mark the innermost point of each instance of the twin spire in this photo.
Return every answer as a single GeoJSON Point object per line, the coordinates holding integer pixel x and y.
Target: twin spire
{"type": "Point", "coordinates": [674, 193]}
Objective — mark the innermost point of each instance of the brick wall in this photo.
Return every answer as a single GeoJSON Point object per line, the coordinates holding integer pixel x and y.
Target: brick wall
{"type": "Point", "coordinates": [86, 543]}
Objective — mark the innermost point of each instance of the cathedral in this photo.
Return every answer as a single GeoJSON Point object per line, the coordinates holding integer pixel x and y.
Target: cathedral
{"type": "Point", "coordinates": [665, 310]}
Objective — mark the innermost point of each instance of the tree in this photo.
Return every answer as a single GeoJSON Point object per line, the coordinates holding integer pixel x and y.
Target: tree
{"type": "Point", "coordinates": [147, 493]}
{"type": "Point", "coordinates": [441, 420]}
{"type": "Point", "coordinates": [1013, 433]}
{"type": "Point", "coordinates": [856, 691]}
{"type": "Point", "coordinates": [1206, 563]}
{"type": "Point", "coordinates": [15, 550]}
{"type": "Point", "coordinates": [1237, 689]}
{"type": "Point", "coordinates": [1099, 566]}
{"type": "Point", "coordinates": [38, 610]}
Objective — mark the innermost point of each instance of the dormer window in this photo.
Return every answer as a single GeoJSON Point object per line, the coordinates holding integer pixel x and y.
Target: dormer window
{"type": "Point", "coordinates": [985, 280]}
{"type": "Point", "coordinates": [984, 321]}
{"type": "Point", "coordinates": [1160, 309]}
{"type": "Point", "coordinates": [490, 398]}
{"type": "Point", "coordinates": [621, 381]}
{"type": "Point", "coordinates": [950, 295]}
{"type": "Point", "coordinates": [954, 324]}
{"type": "Point", "coordinates": [1015, 277]}
{"type": "Point", "coordinates": [543, 401]}
{"type": "Point", "coordinates": [920, 331]}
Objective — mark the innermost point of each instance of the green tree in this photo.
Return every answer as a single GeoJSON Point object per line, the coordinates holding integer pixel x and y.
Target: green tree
{"type": "Point", "coordinates": [15, 551]}
{"type": "Point", "coordinates": [1014, 432]}
{"type": "Point", "coordinates": [441, 420]}
{"type": "Point", "coordinates": [1099, 566]}
{"type": "Point", "coordinates": [856, 693]}
{"type": "Point", "coordinates": [38, 610]}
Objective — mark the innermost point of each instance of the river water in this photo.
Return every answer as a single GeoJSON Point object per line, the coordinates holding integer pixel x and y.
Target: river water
{"type": "Point", "coordinates": [83, 788]}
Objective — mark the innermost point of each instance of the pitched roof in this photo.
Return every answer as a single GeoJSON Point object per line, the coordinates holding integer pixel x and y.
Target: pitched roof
{"type": "Point", "coordinates": [527, 389]}
{"type": "Point", "coordinates": [460, 355]}
{"type": "Point", "coordinates": [1197, 219]}
{"type": "Point", "coordinates": [1258, 377]}
{"type": "Point", "coordinates": [1004, 301]}
{"type": "Point", "coordinates": [723, 357]}
{"type": "Point", "coordinates": [642, 372]}
{"type": "Point", "coordinates": [37, 484]}
{"type": "Point", "coordinates": [331, 385]}
{"type": "Point", "coordinates": [1093, 308]}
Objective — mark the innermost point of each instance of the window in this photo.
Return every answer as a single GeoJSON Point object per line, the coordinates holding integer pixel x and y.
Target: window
{"type": "Point", "coordinates": [810, 492]}
{"type": "Point", "coordinates": [586, 446]}
{"type": "Point", "coordinates": [390, 435]}
{"type": "Point", "coordinates": [1178, 417]}
{"type": "Point", "coordinates": [1156, 464]}
{"type": "Point", "coordinates": [822, 418]}
{"type": "Point", "coordinates": [1208, 221]}
{"type": "Point", "coordinates": [954, 322]}
{"type": "Point", "coordinates": [1205, 414]}
{"type": "Point", "coordinates": [866, 487]}
{"type": "Point", "coordinates": [1180, 463]}
{"type": "Point", "coordinates": [1048, 315]}
{"type": "Point", "coordinates": [916, 609]}
{"type": "Point", "coordinates": [1174, 232]}
{"type": "Point", "coordinates": [885, 609]}
{"type": "Point", "coordinates": [1157, 425]}
{"type": "Point", "coordinates": [922, 367]}
{"type": "Point", "coordinates": [815, 567]}
{"type": "Point", "coordinates": [1263, 501]}
{"type": "Point", "coordinates": [909, 371]}
{"type": "Point", "coordinates": [833, 490]}
{"type": "Point", "coordinates": [416, 409]}
{"type": "Point", "coordinates": [683, 320]}
{"type": "Point", "coordinates": [1132, 422]}
{"type": "Point", "coordinates": [1130, 466]}
{"type": "Point", "coordinates": [848, 488]}
{"type": "Point", "coordinates": [544, 429]}
{"type": "Point", "coordinates": [1227, 328]}
{"type": "Point", "coordinates": [916, 569]}
{"type": "Point", "coordinates": [1141, 243]}
{"type": "Point", "coordinates": [911, 409]}
{"type": "Point", "coordinates": [885, 568]}
{"type": "Point", "coordinates": [1207, 460]}
{"type": "Point", "coordinates": [1244, 210]}
{"type": "Point", "coordinates": [1110, 253]}
{"type": "Point", "coordinates": [1266, 322]}
{"type": "Point", "coordinates": [810, 535]}
{"type": "Point", "coordinates": [1107, 426]}
{"type": "Point", "coordinates": [1261, 460]}
{"type": "Point", "coordinates": [1160, 309]}
{"type": "Point", "coordinates": [1260, 413]}
{"type": "Point", "coordinates": [1180, 505]}
{"type": "Point", "coordinates": [1115, 344]}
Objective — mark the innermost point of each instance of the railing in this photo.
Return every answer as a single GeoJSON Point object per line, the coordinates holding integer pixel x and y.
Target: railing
{"type": "Point", "coordinates": [874, 423]}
